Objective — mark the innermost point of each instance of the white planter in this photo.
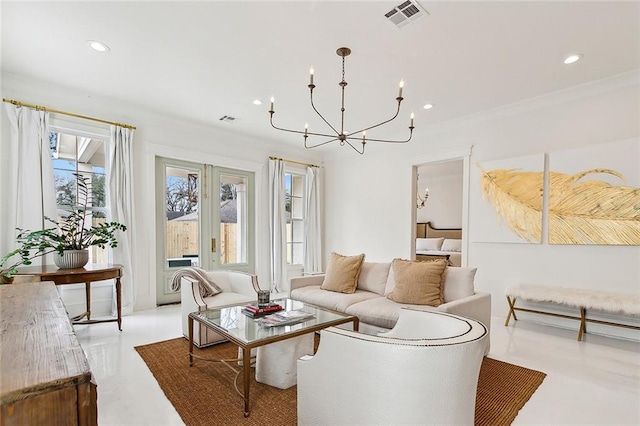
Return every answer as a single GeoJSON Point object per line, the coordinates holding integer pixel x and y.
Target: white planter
{"type": "Point", "coordinates": [71, 259]}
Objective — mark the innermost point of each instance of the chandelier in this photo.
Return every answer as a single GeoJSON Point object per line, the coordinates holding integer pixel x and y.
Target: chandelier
{"type": "Point", "coordinates": [420, 202]}
{"type": "Point", "coordinates": [340, 134]}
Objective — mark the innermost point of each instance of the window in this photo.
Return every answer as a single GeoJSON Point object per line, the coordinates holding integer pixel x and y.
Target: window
{"type": "Point", "coordinates": [294, 201]}
{"type": "Point", "coordinates": [84, 156]}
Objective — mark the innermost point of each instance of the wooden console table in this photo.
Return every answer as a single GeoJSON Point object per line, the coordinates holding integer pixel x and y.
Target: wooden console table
{"type": "Point", "coordinates": [90, 273]}
{"type": "Point", "coordinates": [44, 374]}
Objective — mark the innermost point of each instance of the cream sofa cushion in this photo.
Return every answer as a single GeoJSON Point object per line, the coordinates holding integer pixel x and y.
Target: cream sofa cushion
{"type": "Point", "coordinates": [342, 273]}
{"type": "Point", "coordinates": [381, 311]}
{"type": "Point", "coordinates": [373, 277]}
{"type": "Point", "coordinates": [458, 283]}
{"type": "Point", "coordinates": [330, 299]}
{"type": "Point", "coordinates": [418, 283]}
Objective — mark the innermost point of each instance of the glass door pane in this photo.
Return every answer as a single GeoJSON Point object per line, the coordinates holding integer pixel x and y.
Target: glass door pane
{"type": "Point", "coordinates": [235, 219]}
{"type": "Point", "coordinates": [182, 213]}
{"type": "Point", "coordinates": [233, 237]}
{"type": "Point", "coordinates": [182, 244]}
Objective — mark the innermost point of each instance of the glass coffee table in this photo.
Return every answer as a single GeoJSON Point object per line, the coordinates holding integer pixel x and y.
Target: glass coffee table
{"type": "Point", "coordinates": [247, 332]}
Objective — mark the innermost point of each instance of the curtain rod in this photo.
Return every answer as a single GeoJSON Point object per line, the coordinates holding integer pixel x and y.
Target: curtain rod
{"type": "Point", "coordinates": [41, 108]}
{"type": "Point", "coordinates": [294, 162]}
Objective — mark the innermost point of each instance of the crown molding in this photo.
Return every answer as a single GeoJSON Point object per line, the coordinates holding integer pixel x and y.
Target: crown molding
{"type": "Point", "coordinates": [592, 88]}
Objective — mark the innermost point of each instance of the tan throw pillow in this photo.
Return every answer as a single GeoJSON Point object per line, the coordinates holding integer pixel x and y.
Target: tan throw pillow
{"type": "Point", "coordinates": [342, 273]}
{"type": "Point", "coordinates": [418, 283]}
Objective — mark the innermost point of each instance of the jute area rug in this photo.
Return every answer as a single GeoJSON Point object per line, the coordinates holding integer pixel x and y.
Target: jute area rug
{"type": "Point", "coordinates": [204, 394]}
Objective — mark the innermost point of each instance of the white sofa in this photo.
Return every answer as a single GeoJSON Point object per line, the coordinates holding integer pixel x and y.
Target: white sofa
{"type": "Point", "coordinates": [356, 379]}
{"type": "Point", "coordinates": [237, 287]}
{"type": "Point", "coordinates": [377, 313]}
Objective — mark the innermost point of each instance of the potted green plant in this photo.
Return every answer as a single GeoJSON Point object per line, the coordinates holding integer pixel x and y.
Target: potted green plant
{"type": "Point", "coordinates": [25, 256]}
{"type": "Point", "coordinates": [31, 246]}
{"type": "Point", "coordinates": [68, 239]}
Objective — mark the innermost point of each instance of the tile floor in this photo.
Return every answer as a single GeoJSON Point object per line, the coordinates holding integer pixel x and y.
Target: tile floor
{"type": "Point", "coordinates": [595, 382]}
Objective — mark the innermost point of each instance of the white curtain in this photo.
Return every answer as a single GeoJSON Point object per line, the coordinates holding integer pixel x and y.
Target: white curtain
{"type": "Point", "coordinates": [120, 198]}
{"type": "Point", "coordinates": [277, 226]}
{"type": "Point", "coordinates": [313, 223]}
{"type": "Point", "coordinates": [33, 176]}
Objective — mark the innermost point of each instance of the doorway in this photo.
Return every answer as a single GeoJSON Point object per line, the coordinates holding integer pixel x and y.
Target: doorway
{"type": "Point", "coordinates": [441, 191]}
{"type": "Point", "coordinates": [204, 217]}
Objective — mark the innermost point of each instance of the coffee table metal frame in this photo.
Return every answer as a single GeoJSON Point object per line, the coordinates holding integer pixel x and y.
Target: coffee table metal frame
{"type": "Point", "coordinates": [255, 336]}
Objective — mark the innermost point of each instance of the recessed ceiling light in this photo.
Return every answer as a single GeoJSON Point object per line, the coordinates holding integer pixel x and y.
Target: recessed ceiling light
{"type": "Point", "coordinates": [428, 106]}
{"type": "Point", "coordinates": [98, 46]}
{"type": "Point", "coordinates": [572, 58]}
{"type": "Point", "coordinates": [257, 102]}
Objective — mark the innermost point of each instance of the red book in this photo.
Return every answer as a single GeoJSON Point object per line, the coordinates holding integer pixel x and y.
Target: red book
{"type": "Point", "coordinates": [252, 314]}
{"type": "Point", "coordinates": [270, 308]}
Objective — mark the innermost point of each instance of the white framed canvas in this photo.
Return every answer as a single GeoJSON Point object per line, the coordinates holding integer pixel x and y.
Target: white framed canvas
{"type": "Point", "coordinates": [594, 194]}
{"type": "Point", "coordinates": [507, 200]}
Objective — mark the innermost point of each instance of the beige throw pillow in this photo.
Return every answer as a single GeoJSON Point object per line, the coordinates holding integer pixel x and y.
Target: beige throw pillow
{"type": "Point", "coordinates": [342, 273]}
{"type": "Point", "coordinates": [418, 283]}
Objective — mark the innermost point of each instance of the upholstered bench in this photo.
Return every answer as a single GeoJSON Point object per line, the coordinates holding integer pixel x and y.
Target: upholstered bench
{"type": "Point", "coordinates": [628, 304]}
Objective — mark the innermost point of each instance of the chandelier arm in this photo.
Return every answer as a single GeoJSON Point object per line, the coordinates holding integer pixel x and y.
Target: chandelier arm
{"type": "Point", "coordinates": [385, 140]}
{"type": "Point", "coordinates": [321, 116]}
{"type": "Point", "coordinates": [380, 124]}
{"type": "Point", "coordinates": [298, 131]}
{"type": "Point", "coordinates": [354, 148]}
{"type": "Point", "coordinates": [324, 135]}
{"type": "Point", "coordinates": [320, 144]}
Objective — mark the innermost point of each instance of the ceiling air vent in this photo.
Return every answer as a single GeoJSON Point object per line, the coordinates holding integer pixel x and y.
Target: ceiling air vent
{"type": "Point", "coordinates": [227, 118]}
{"type": "Point", "coordinates": [407, 12]}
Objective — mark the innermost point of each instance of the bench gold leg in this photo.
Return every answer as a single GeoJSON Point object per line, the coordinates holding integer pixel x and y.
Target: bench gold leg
{"type": "Point", "coordinates": [511, 303]}
{"type": "Point", "coordinates": [583, 323]}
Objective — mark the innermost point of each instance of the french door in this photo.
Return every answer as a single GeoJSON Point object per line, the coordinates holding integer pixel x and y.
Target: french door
{"type": "Point", "coordinates": [205, 218]}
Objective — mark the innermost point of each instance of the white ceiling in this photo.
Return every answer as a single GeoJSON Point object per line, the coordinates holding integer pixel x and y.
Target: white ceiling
{"type": "Point", "coordinates": [203, 60]}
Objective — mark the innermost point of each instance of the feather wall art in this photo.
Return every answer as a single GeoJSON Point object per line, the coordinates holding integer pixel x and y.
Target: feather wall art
{"type": "Point", "coordinates": [593, 211]}
{"type": "Point", "coordinates": [594, 194]}
{"type": "Point", "coordinates": [516, 197]}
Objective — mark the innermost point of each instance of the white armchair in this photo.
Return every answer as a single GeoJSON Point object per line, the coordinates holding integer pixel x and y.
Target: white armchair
{"type": "Point", "coordinates": [423, 371]}
{"type": "Point", "coordinates": [237, 287]}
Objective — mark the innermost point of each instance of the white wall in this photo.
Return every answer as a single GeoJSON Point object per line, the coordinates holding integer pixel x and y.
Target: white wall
{"type": "Point", "coordinates": [444, 205]}
{"type": "Point", "coordinates": [369, 206]}
{"type": "Point", "coordinates": [164, 136]}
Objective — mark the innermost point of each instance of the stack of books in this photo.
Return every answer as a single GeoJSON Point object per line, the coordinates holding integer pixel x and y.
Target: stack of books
{"type": "Point", "coordinates": [254, 311]}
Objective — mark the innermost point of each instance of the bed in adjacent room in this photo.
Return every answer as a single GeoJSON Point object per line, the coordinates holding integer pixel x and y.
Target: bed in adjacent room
{"type": "Point", "coordinates": [433, 243]}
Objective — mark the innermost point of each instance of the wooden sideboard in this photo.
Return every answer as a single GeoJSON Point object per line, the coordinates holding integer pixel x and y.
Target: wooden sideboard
{"type": "Point", "coordinates": [44, 374]}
